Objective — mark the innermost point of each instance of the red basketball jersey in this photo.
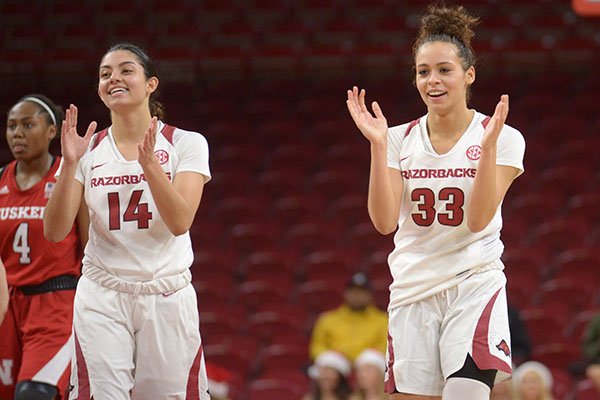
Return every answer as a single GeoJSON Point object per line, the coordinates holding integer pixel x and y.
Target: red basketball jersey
{"type": "Point", "coordinates": [28, 257]}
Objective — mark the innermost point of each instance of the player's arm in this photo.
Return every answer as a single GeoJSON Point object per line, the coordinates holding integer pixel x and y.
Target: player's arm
{"type": "Point", "coordinates": [83, 223]}
{"type": "Point", "coordinates": [385, 192]}
{"type": "Point", "coordinates": [177, 202]}
{"type": "Point", "coordinates": [491, 180]}
{"type": "Point", "coordinates": [3, 292]}
{"type": "Point", "coordinates": [67, 196]}
{"type": "Point", "coordinates": [63, 205]}
{"type": "Point", "coordinates": [385, 184]}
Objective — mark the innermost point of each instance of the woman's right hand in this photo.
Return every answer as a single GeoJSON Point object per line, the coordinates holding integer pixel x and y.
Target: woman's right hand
{"type": "Point", "coordinates": [73, 145]}
{"type": "Point", "coordinates": [374, 128]}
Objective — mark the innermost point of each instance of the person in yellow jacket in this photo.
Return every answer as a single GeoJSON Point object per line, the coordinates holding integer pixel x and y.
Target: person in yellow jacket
{"type": "Point", "coordinates": [354, 326]}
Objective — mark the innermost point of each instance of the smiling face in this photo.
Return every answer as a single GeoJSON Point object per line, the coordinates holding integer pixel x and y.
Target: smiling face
{"type": "Point", "coordinates": [28, 132]}
{"type": "Point", "coordinates": [440, 78]}
{"type": "Point", "coordinates": [122, 82]}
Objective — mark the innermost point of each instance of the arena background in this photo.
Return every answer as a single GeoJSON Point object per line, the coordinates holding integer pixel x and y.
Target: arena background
{"type": "Point", "coordinates": [283, 223]}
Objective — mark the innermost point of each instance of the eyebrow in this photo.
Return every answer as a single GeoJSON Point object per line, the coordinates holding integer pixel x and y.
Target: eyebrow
{"type": "Point", "coordinates": [120, 65]}
{"type": "Point", "coordinates": [440, 63]}
{"type": "Point", "coordinates": [26, 117]}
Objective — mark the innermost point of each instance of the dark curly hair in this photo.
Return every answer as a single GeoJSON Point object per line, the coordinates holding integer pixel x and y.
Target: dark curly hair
{"type": "Point", "coordinates": [452, 24]}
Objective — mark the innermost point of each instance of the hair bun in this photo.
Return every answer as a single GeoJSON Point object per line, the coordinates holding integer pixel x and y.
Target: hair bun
{"type": "Point", "coordinates": [453, 21]}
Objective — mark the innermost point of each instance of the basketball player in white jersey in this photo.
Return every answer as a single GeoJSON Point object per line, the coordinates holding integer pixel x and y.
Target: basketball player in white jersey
{"type": "Point", "coordinates": [135, 319]}
{"type": "Point", "coordinates": [440, 180]}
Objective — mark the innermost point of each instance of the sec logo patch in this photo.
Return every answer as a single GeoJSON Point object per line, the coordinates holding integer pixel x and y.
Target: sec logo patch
{"type": "Point", "coordinates": [162, 156]}
{"type": "Point", "coordinates": [474, 152]}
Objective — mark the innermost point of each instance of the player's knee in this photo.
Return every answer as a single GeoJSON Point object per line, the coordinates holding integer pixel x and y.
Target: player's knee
{"type": "Point", "coordinates": [31, 390]}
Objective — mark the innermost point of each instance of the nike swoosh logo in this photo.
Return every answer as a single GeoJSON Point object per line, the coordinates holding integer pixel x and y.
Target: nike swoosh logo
{"type": "Point", "coordinates": [97, 166]}
{"type": "Point", "coordinates": [402, 159]}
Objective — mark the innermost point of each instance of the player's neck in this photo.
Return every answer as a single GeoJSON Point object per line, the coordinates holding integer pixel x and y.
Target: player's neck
{"type": "Point", "coordinates": [28, 173]}
{"type": "Point", "coordinates": [450, 125]}
{"type": "Point", "coordinates": [130, 128]}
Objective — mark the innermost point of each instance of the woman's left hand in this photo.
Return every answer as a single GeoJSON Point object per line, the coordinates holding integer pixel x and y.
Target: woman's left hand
{"type": "Point", "coordinates": [492, 130]}
{"type": "Point", "coordinates": [146, 148]}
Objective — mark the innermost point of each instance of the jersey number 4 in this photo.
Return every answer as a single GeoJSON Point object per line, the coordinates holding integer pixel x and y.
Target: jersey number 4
{"type": "Point", "coordinates": [453, 214]}
{"type": "Point", "coordinates": [135, 211]}
{"type": "Point", "coordinates": [21, 243]}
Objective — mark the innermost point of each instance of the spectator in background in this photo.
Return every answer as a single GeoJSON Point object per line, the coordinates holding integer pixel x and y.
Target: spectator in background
{"type": "Point", "coordinates": [354, 326]}
{"type": "Point", "coordinates": [369, 369]}
{"type": "Point", "coordinates": [329, 375]}
{"type": "Point", "coordinates": [532, 380]}
{"type": "Point", "coordinates": [591, 351]}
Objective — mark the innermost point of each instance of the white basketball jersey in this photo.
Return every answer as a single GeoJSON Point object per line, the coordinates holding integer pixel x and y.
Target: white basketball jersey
{"type": "Point", "coordinates": [434, 249]}
{"type": "Point", "coordinates": [128, 238]}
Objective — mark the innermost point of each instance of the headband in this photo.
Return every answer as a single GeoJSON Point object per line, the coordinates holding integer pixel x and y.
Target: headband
{"type": "Point", "coordinates": [45, 106]}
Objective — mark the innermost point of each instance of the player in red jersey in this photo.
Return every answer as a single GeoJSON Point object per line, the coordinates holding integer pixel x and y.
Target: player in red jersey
{"type": "Point", "coordinates": [35, 349]}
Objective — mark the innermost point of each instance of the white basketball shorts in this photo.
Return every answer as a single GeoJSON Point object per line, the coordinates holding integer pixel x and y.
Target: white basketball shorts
{"type": "Point", "coordinates": [429, 340]}
{"type": "Point", "coordinates": [131, 346]}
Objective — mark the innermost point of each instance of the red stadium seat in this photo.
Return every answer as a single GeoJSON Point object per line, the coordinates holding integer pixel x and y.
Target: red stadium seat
{"type": "Point", "coordinates": [578, 326]}
{"type": "Point", "coordinates": [542, 328]}
{"type": "Point", "coordinates": [534, 207]}
{"type": "Point", "coordinates": [272, 389]}
{"type": "Point", "coordinates": [293, 376]}
{"type": "Point", "coordinates": [262, 263]}
{"type": "Point", "coordinates": [563, 382]}
{"type": "Point", "coordinates": [294, 209]}
{"type": "Point", "coordinates": [254, 295]}
{"type": "Point", "coordinates": [318, 296]}
{"type": "Point", "coordinates": [573, 292]}
{"type": "Point", "coordinates": [584, 207]}
{"type": "Point", "coordinates": [559, 235]}
{"type": "Point", "coordinates": [241, 209]}
{"type": "Point", "coordinates": [312, 236]}
{"type": "Point", "coordinates": [338, 261]}
{"type": "Point", "coordinates": [237, 357]}
{"type": "Point", "coordinates": [253, 236]}
{"type": "Point", "coordinates": [281, 182]}
{"type": "Point", "coordinates": [278, 356]}
{"type": "Point", "coordinates": [585, 390]}
{"type": "Point", "coordinates": [265, 324]}
{"type": "Point", "coordinates": [557, 355]}
{"type": "Point", "coordinates": [216, 322]}
{"type": "Point", "coordinates": [581, 265]}
{"type": "Point", "coordinates": [363, 236]}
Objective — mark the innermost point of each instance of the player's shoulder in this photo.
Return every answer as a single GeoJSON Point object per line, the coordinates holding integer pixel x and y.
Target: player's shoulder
{"type": "Point", "coordinates": [6, 167]}
{"type": "Point", "coordinates": [483, 120]}
{"type": "Point", "coordinates": [403, 130]}
{"type": "Point", "coordinates": [174, 134]}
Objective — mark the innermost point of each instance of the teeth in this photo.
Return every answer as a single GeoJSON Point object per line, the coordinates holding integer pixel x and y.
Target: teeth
{"type": "Point", "coordinates": [116, 90]}
{"type": "Point", "coordinates": [436, 93]}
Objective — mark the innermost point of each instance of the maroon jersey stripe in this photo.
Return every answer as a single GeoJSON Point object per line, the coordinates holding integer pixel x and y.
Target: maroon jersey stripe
{"type": "Point", "coordinates": [99, 136]}
{"type": "Point", "coordinates": [410, 126]}
{"type": "Point", "coordinates": [167, 132]}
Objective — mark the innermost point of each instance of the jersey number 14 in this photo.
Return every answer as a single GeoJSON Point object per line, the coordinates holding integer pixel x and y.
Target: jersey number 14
{"type": "Point", "coordinates": [135, 211]}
